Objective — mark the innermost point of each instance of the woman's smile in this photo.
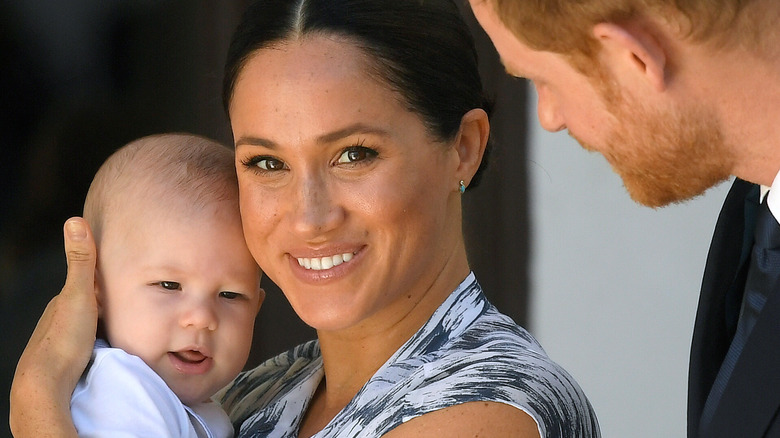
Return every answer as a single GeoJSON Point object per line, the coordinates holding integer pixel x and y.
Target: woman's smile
{"type": "Point", "coordinates": [324, 263]}
{"type": "Point", "coordinates": [325, 258]}
{"type": "Point", "coordinates": [327, 268]}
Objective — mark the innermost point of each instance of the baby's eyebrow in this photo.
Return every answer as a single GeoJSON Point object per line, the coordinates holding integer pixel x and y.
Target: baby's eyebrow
{"type": "Point", "coordinates": [160, 270]}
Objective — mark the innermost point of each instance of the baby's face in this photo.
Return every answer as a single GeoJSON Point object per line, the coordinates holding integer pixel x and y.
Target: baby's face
{"type": "Point", "coordinates": [181, 291]}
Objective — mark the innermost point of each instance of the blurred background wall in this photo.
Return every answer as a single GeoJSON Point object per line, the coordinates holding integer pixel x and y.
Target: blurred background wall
{"type": "Point", "coordinates": [608, 287]}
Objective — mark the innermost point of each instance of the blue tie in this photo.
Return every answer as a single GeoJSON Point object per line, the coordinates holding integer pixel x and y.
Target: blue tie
{"type": "Point", "coordinates": [763, 274]}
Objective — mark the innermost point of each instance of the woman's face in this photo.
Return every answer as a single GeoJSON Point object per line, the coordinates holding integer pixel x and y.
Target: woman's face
{"type": "Point", "coordinates": [347, 202]}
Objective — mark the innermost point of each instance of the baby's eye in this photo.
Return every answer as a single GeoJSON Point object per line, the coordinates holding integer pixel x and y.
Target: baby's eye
{"type": "Point", "coordinates": [355, 154]}
{"type": "Point", "coordinates": [230, 295]}
{"type": "Point", "coordinates": [170, 285]}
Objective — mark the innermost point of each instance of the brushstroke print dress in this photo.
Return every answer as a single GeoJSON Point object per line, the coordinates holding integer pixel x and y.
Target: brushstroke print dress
{"type": "Point", "coordinates": [466, 352]}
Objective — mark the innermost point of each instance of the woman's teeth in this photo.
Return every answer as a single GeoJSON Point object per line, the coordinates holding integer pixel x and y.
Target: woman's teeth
{"type": "Point", "coordinates": [321, 263]}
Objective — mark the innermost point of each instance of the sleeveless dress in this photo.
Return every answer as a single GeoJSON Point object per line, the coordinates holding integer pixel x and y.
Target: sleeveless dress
{"type": "Point", "coordinates": [467, 351]}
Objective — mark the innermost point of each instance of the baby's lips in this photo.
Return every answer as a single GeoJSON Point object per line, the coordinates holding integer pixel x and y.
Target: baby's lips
{"type": "Point", "coordinates": [191, 355]}
{"type": "Point", "coordinates": [191, 361]}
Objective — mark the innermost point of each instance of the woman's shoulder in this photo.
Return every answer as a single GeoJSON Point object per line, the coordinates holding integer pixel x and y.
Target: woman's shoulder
{"type": "Point", "coordinates": [474, 332]}
{"type": "Point", "coordinates": [491, 358]}
{"type": "Point", "coordinates": [496, 357]}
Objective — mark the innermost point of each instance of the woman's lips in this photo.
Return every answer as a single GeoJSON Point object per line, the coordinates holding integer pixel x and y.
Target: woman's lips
{"type": "Point", "coordinates": [190, 361]}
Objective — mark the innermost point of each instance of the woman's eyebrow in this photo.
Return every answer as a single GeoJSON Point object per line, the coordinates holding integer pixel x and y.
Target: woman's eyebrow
{"type": "Point", "coordinates": [356, 128]}
{"type": "Point", "coordinates": [255, 141]}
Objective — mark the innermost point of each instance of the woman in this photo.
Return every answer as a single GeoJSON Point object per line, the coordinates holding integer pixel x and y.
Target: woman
{"type": "Point", "coordinates": [357, 125]}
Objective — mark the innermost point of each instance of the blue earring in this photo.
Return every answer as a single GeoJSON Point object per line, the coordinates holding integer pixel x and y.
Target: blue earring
{"type": "Point", "coordinates": [462, 187]}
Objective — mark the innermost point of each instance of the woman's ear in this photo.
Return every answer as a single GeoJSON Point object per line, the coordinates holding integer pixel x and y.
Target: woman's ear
{"type": "Point", "coordinates": [633, 50]}
{"type": "Point", "coordinates": [471, 142]}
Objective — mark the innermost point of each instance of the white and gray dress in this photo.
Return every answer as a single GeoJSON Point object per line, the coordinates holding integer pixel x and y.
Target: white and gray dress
{"type": "Point", "coordinates": [466, 352]}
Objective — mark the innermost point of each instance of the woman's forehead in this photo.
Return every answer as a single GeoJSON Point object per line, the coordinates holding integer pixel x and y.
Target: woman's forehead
{"type": "Point", "coordinates": [308, 78]}
{"type": "Point", "coordinates": [314, 56]}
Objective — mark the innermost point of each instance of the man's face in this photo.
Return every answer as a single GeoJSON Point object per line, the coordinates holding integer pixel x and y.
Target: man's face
{"type": "Point", "coordinates": [663, 154]}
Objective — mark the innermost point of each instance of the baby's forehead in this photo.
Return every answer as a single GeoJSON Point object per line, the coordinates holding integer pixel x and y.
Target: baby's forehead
{"type": "Point", "coordinates": [177, 183]}
{"type": "Point", "coordinates": [152, 200]}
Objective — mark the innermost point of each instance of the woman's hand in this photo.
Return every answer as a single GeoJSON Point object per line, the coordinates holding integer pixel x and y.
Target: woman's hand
{"type": "Point", "coordinates": [60, 347]}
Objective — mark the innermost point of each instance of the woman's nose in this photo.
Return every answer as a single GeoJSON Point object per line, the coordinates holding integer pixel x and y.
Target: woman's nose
{"type": "Point", "coordinates": [200, 315]}
{"type": "Point", "coordinates": [547, 108]}
{"type": "Point", "coordinates": [316, 209]}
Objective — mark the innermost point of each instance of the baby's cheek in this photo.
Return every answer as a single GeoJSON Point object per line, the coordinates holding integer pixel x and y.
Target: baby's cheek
{"type": "Point", "coordinates": [239, 341]}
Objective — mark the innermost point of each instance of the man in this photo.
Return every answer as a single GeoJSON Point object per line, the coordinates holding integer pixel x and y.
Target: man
{"type": "Point", "coordinates": [678, 96]}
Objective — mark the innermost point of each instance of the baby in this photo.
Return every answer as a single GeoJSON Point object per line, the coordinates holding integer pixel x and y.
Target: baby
{"type": "Point", "coordinates": [178, 291]}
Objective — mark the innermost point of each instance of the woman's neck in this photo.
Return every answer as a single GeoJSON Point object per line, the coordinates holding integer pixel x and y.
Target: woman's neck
{"type": "Point", "coordinates": [351, 357]}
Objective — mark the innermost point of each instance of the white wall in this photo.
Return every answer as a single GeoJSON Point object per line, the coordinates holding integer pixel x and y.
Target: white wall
{"type": "Point", "coordinates": [615, 285]}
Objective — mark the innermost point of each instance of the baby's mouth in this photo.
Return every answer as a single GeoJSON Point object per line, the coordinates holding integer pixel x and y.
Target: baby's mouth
{"type": "Point", "coordinates": [191, 361]}
{"type": "Point", "coordinates": [190, 356]}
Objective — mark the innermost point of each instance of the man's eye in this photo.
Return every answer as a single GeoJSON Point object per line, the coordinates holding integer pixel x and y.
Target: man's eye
{"type": "Point", "coordinates": [356, 153]}
{"type": "Point", "coordinates": [170, 285]}
{"type": "Point", "coordinates": [230, 295]}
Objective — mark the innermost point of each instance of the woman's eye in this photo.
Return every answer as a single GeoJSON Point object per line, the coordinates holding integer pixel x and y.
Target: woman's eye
{"type": "Point", "coordinates": [170, 285]}
{"type": "Point", "coordinates": [265, 163]}
{"type": "Point", "coordinates": [270, 164]}
{"type": "Point", "coordinates": [230, 295]}
{"type": "Point", "coordinates": [355, 154]}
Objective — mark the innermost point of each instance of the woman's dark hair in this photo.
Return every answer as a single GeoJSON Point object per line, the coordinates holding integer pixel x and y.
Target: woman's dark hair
{"type": "Point", "coordinates": [421, 48]}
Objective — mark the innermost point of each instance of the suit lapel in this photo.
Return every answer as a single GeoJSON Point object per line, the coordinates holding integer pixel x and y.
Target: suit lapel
{"type": "Point", "coordinates": [752, 396]}
{"type": "Point", "coordinates": [712, 330]}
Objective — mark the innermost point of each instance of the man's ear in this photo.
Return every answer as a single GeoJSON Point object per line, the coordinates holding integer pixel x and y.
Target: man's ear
{"type": "Point", "coordinates": [635, 50]}
{"type": "Point", "coordinates": [471, 143]}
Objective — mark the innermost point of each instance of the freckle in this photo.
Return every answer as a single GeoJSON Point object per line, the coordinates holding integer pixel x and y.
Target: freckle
{"type": "Point", "coordinates": [409, 296]}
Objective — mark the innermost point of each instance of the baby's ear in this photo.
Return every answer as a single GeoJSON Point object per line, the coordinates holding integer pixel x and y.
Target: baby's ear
{"type": "Point", "coordinates": [261, 298]}
{"type": "Point", "coordinates": [99, 292]}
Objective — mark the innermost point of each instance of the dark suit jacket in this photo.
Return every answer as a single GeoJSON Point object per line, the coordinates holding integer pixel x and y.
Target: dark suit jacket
{"type": "Point", "coordinates": [751, 401]}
